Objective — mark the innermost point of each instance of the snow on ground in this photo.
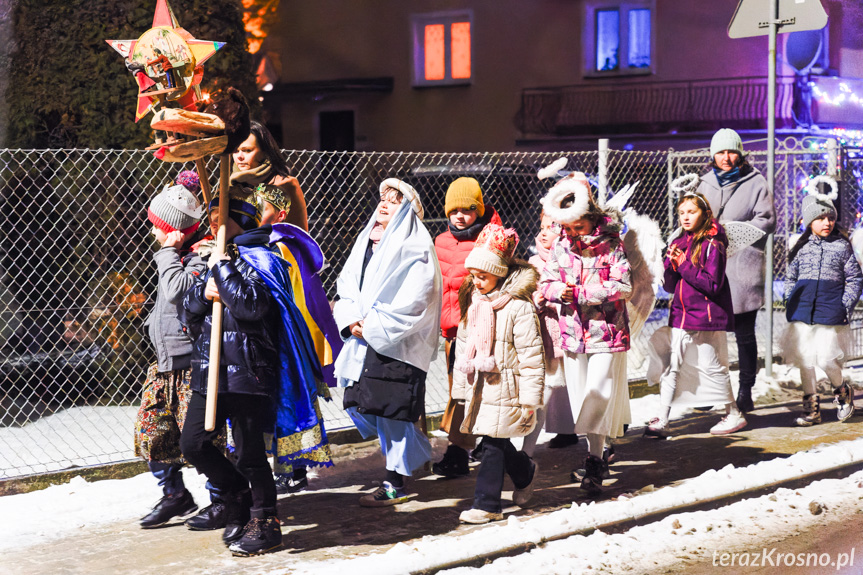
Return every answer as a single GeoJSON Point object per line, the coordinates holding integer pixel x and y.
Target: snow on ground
{"type": "Point", "coordinates": [431, 553]}
{"type": "Point", "coordinates": [747, 528]}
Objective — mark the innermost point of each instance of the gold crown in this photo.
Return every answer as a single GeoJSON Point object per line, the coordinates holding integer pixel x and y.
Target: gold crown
{"type": "Point", "coordinates": [273, 195]}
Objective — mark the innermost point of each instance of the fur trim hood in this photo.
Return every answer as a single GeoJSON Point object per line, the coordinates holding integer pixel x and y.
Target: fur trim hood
{"type": "Point", "coordinates": [520, 283]}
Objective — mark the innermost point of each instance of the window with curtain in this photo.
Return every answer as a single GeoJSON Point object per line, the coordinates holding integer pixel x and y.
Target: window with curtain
{"type": "Point", "coordinates": [442, 44]}
{"type": "Point", "coordinates": [618, 37]}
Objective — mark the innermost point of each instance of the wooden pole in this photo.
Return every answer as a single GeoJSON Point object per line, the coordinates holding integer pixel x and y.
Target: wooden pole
{"type": "Point", "coordinates": [216, 332]}
{"type": "Point", "coordinates": [204, 178]}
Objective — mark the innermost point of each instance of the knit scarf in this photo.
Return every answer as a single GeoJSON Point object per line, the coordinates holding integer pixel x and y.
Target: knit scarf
{"type": "Point", "coordinates": [542, 251]}
{"type": "Point", "coordinates": [480, 328]}
{"type": "Point", "coordinates": [253, 177]}
{"type": "Point", "coordinates": [728, 177]}
{"type": "Point", "coordinates": [376, 234]}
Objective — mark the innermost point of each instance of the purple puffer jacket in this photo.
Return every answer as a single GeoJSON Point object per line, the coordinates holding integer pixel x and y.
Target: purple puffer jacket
{"type": "Point", "coordinates": [701, 296]}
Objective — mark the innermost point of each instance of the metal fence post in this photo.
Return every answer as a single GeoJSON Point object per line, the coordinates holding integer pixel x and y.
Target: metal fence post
{"type": "Point", "coordinates": [602, 170]}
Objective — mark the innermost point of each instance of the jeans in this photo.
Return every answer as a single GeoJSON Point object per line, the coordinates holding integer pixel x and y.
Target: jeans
{"type": "Point", "coordinates": [747, 347]}
{"type": "Point", "coordinates": [499, 456]}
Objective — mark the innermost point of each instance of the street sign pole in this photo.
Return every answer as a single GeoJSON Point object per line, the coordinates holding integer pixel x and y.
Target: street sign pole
{"type": "Point", "coordinates": [771, 176]}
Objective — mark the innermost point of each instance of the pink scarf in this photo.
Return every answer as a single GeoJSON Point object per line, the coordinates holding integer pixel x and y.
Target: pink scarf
{"type": "Point", "coordinates": [541, 251]}
{"type": "Point", "coordinates": [376, 234]}
{"type": "Point", "coordinates": [480, 333]}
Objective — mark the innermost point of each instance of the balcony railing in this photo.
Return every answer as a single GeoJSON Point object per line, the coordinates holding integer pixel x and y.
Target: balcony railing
{"type": "Point", "coordinates": [652, 107]}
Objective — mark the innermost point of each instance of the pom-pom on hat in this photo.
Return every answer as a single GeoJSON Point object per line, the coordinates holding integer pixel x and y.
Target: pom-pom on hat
{"type": "Point", "coordinates": [575, 186]}
{"type": "Point", "coordinates": [817, 205]}
{"type": "Point", "coordinates": [726, 139]}
{"type": "Point", "coordinates": [493, 250]}
{"type": "Point", "coordinates": [407, 191]}
{"type": "Point", "coordinates": [466, 194]}
{"type": "Point", "coordinates": [189, 180]}
{"type": "Point", "coordinates": [175, 209]}
{"type": "Point", "coordinates": [243, 207]}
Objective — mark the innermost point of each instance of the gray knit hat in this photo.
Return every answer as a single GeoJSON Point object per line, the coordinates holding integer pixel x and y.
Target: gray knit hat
{"type": "Point", "coordinates": [726, 139]}
{"type": "Point", "coordinates": [816, 206]}
{"type": "Point", "coordinates": [175, 209]}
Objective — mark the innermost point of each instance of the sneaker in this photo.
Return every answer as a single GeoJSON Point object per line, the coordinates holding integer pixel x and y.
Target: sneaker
{"type": "Point", "coordinates": [288, 485]}
{"type": "Point", "coordinates": [521, 497]}
{"type": "Point", "coordinates": [562, 440]}
{"type": "Point", "coordinates": [729, 424]}
{"type": "Point", "coordinates": [453, 464]}
{"type": "Point", "coordinates": [811, 411]}
{"type": "Point", "coordinates": [261, 535]}
{"type": "Point", "coordinates": [844, 401]}
{"type": "Point", "coordinates": [385, 495]}
{"type": "Point", "coordinates": [594, 467]}
{"type": "Point", "coordinates": [657, 428]}
{"type": "Point", "coordinates": [168, 507]}
{"type": "Point", "coordinates": [211, 517]}
{"type": "Point", "coordinates": [479, 517]}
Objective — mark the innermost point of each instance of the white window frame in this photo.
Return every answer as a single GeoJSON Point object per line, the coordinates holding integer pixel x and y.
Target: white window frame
{"type": "Point", "coordinates": [418, 24]}
{"type": "Point", "coordinates": [591, 7]}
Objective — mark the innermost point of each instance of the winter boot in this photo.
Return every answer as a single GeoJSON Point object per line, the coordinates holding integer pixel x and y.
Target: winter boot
{"type": "Point", "coordinates": [811, 411]}
{"type": "Point", "coordinates": [744, 399]}
{"type": "Point", "coordinates": [453, 464]}
{"type": "Point", "coordinates": [608, 456]}
{"type": "Point", "coordinates": [844, 400]}
{"type": "Point", "coordinates": [168, 507]}
{"type": "Point", "coordinates": [579, 474]}
{"type": "Point", "coordinates": [261, 535]}
{"type": "Point", "coordinates": [562, 440]}
{"type": "Point", "coordinates": [593, 469]}
{"type": "Point", "coordinates": [213, 516]}
{"type": "Point", "coordinates": [237, 514]}
{"type": "Point", "coordinates": [521, 496]}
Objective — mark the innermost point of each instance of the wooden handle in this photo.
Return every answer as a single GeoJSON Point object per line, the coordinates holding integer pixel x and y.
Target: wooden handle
{"type": "Point", "coordinates": [216, 332]}
{"type": "Point", "coordinates": [204, 178]}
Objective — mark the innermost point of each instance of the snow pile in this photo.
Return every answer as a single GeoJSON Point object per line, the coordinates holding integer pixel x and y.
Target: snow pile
{"type": "Point", "coordinates": [432, 553]}
{"type": "Point", "coordinates": [747, 527]}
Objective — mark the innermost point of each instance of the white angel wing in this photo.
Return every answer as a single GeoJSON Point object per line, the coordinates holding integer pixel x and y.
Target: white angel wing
{"type": "Point", "coordinates": [740, 235]}
{"type": "Point", "coordinates": [620, 198]}
{"type": "Point", "coordinates": [644, 250]}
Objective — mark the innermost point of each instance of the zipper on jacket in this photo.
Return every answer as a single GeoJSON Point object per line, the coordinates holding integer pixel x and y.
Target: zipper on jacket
{"type": "Point", "coordinates": [682, 305]}
{"type": "Point", "coordinates": [710, 319]}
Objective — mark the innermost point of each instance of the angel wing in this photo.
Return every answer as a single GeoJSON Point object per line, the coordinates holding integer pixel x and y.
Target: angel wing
{"type": "Point", "coordinates": [644, 250]}
{"type": "Point", "coordinates": [741, 235]}
{"type": "Point", "coordinates": [619, 200]}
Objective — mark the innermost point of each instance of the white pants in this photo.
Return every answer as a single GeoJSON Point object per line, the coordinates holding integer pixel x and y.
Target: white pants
{"type": "Point", "coordinates": [690, 366]}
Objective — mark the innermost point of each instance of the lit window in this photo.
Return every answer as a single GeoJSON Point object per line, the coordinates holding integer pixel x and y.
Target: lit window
{"type": "Point", "coordinates": [442, 48]}
{"type": "Point", "coordinates": [619, 39]}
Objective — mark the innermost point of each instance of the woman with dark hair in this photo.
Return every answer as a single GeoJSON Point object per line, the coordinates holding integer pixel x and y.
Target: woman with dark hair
{"type": "Point", "coordinates": [258, 160]}
{"type": "Point", "coordinates": [738, 192]}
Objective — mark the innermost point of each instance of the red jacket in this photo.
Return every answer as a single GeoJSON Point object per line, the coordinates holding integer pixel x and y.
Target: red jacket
{"type": "Point", "coordinates": [451, 254]}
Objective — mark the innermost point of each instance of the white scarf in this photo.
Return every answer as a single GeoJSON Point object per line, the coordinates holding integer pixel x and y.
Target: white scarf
{"type": "Point", "coordinates": [400, 299]}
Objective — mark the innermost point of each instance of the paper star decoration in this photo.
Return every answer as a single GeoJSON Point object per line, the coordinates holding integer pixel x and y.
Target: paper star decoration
{"type": "Point", "coordinates": [167, 61]}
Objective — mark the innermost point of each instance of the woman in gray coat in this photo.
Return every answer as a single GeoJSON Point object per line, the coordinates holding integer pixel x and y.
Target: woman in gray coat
{"type": "Point", "coordinates": [738, 192]}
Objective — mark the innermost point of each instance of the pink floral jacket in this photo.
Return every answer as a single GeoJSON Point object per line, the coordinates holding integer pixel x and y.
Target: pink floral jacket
{"type": "Point", "coordinates": [598, 271]}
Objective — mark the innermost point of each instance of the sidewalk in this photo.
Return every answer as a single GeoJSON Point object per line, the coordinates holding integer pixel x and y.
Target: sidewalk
{"type": "Point", "coordinates": [327, 523]}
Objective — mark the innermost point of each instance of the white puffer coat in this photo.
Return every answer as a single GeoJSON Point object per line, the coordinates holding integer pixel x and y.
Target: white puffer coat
{"type": "Point", "coordinates": [503, 404]}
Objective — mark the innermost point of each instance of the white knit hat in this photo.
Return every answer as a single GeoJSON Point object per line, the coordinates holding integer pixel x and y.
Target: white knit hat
{"type": "Point", "coordinates": [726, 139]}
{"type": "Point", "coordinates": [407, 191]}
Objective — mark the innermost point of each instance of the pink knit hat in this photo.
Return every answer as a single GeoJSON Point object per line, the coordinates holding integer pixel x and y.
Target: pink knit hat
{"type": "Point", "coordinates": [493, 250]}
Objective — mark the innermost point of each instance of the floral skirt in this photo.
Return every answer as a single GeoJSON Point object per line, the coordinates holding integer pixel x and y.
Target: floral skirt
{"type": "Point", "coordinates": [164, 403]}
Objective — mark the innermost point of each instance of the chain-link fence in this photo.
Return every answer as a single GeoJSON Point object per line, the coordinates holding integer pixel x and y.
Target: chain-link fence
{"type": "Point", "coordinates": [77, 277]}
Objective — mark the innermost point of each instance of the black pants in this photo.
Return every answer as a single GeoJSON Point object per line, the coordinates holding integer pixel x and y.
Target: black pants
{"type": "Point", "coordinates": [499, 455]}
{"type": "Point", "coordinates": [747, 347]}
{"type": "Point", "coordinates": [248, 415]}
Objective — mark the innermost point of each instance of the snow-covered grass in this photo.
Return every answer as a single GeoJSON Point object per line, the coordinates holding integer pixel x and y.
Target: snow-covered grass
{"type": "Point", "coordinates": [431, 553]}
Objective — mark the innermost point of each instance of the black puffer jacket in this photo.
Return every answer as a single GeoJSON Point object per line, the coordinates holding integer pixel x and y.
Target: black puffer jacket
{"type": "Point", "coordinates": [249, 358]}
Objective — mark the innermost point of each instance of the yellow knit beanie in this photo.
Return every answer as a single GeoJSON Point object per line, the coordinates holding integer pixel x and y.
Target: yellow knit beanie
{"type": "Point", "coordinates": [464, 193]}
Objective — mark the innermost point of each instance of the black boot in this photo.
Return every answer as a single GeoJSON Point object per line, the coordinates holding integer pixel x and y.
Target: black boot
{"type": "Point", "coordinates": [289, 484]}
{"type": "Point", "coordinates": [593, 471]}
{"type": "Point", "coordinates": [453, 464]}
{"type": "Point", "coordinates": [237, 514]}
{"type": "Point", "coordinates": [213, 516]}
{"type": "Point", "coordinates": [744, 399]}
{"type": "Point", "coordinates": [262, 534]}
{"type": "Point", "coordinates": [169, 507]}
